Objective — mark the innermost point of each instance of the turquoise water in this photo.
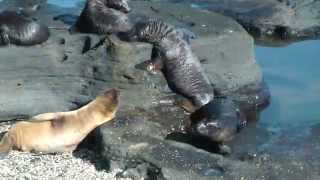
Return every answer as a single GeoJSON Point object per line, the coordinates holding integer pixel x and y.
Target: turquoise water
{"type": "Point", "coordinates": [293, 76]}
{"type": "Point", "coordinates": [65, 3]}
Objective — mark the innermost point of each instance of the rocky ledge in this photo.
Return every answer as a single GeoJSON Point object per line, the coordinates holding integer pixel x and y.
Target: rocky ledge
{"type": "Point", "coordinates": [147, 138]}
{"type": "Point", "coordinates": [271, 22]}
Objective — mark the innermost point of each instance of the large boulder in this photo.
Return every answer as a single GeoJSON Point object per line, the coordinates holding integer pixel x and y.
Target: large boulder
{"type": "Point", "coordinates": [271, 22]}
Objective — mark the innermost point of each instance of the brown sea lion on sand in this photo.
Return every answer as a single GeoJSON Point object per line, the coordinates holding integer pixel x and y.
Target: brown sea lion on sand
{"type": "Point", "coordinates": [103, 16]}
{"type": "Point", "coordinates": [19, 30]}
{"type": "Point", "coordinates": [60, 131]}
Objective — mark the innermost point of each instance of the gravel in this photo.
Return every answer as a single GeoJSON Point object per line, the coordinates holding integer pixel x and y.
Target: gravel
{"type": "Point", "coordinates": [26, 166]}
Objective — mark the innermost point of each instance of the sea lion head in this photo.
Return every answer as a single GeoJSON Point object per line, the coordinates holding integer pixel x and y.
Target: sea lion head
{"type": "Point", "coordinates": [108, 102]}
{"type": "Point", "coordinates": [219, 120]}
{"type": "Point", "coordinates": [121, 5]}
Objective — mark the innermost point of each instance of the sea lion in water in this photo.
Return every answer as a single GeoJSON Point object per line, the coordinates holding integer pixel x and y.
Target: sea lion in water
{"type": "Point", "coordinates": [19, 30]}
{"type": "Point", "coordinates": [185, 76]}
{"type": "Point", "coordinates": [220, 119]}
{"type": "Point", "coordinates": [60, 131]}
{"type": "Point", "coordinates": [103, 16]}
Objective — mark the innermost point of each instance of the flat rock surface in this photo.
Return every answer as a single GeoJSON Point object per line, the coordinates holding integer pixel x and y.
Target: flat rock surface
{"type": "Point", "coordinates": [272, 22]}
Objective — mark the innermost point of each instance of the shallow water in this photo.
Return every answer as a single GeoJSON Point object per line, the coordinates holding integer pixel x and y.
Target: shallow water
{"type": "Point", "coordinates": [289, 128]}
{"type": "Point", "coordinates": [293, 77]}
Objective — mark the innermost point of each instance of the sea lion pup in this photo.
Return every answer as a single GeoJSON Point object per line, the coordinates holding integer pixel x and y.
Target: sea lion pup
{"type": "Point", "coordinates": [103, 16]}
{"type": "Point", "coordinates": [60, 131]}
{"type": "Point", "coordinates": [220, 120]}
{"type": "Point", "coordinates": [19, 30]}
{"type": "Point", "coordinates": [172, 54]}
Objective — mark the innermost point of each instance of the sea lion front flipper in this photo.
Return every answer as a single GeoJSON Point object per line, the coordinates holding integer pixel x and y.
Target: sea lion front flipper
{"type": "Point", "coordinates": [5, 147]}
{"type": "Point", "coordinates": [155, 64]}
{"type": "Point", "coordinates": [185, 104]}
{"type": "Point", "coordinates": [5, 40]}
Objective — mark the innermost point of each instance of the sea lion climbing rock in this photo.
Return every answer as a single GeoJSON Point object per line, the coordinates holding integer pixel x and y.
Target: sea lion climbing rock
{"type": "Point", "coordinates": [103, 16]}
{"type": "Point", "coordinates": [19, 30]}
{"type": "Point", "coordinates": [172, 54]}
{"type": "Point", "coordinates": [60, 131]}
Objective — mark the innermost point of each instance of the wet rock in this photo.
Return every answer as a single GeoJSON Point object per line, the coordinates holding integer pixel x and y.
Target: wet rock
{"type": "Point", "coordinates": [271, 22]}
{"type": "Point", "coordinates": [144, 153]}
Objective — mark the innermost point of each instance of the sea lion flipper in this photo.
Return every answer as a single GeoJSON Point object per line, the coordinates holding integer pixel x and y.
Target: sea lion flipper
{"type": "Point", "coordinates": [5, 147]}
{"type": "Point", "coordinates": [185, 104]}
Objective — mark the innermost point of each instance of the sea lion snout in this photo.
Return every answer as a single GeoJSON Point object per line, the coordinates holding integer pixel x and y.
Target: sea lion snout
{"type": "Point", "coordinates": [110, 100]}
{"type": "Point", "coordinates": [218, 120]}
{"type": "Point", "coordinates": [112, 94]}
{"type": "Point", "coordinates": [218, 130]}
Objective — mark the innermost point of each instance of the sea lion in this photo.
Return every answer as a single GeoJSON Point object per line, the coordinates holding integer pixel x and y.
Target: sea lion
{"type": "Point", "coordinates": [220, 120]}
{"type": "Point", "coordinates": [103, 16]}
{"type": "Point", "coordinates": [173, 55]}
{"type": "Point", "coordinates": [181, 68]}
{"type": "Point", "coordinates": [19, 30]}
{"type": "Point", "coordinates": [60, 131]}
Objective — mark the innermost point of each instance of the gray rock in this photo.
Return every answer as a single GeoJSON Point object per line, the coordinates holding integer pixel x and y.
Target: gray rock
{"type": "Point", "coordinates": [271, 22]}
{"type": "Point", "coordinates": [143, 153]}
{"type": "Point", "coordinates": [57, 76]}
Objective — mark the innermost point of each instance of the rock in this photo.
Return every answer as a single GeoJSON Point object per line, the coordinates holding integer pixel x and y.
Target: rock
{"type": "Point", "coordinates": [271, 22]}
{"type": "Point", "coordinates": [57, 76]}
{"type": "Point", "coordinates": [143, 153]}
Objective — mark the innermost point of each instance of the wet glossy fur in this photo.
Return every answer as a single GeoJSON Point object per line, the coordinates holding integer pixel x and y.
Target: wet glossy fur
{"type": "Point", "coordinates": [180, 66]}
{"type": "Point", "coordinates": [19, 30]}
{"type": "Point", "coordinates": [103, 16]}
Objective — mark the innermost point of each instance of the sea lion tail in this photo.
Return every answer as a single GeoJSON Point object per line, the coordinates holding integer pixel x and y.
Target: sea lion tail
{"type": "Point", "coordinates": [5, 147]}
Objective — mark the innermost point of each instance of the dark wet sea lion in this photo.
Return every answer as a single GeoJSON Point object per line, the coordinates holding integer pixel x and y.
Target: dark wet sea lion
{"type": "Point", "coordinates": [173, 55]}
{"type": "Point", "coordinates": [103, 16]}
{"type": "Point", "coordinates": [219, 119]}
{"type": "Point", "coordinates": [60, 131]}
{"type": "Point", "coordinates": [18, 30]}
{"type": "Point", "coordinates": [185, 76]}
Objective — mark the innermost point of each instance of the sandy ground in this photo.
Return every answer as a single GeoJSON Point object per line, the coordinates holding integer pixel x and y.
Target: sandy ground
{"type": "Point", "coordinates": [27, 166]}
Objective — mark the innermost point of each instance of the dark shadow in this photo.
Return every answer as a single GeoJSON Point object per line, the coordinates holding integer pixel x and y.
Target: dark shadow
{"type": "Point", "coordinates": [200, 142]}
{"type": "Point", "coordinates": [89, 150]}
